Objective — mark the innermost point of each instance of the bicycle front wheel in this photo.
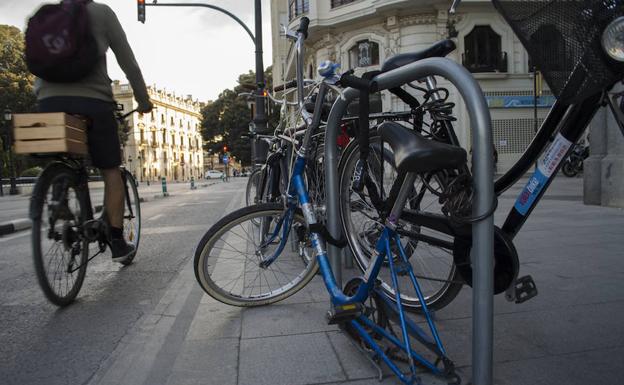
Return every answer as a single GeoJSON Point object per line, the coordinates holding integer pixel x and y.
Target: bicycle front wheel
{"type": "Point", "coordinates": [60, 251]}
{"type": "Point", "coordinates": [131, 216]}
{"type": "Point", "coordinates": [228, 260]}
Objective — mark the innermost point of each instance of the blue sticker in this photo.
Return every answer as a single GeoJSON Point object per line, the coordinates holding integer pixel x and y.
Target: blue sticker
{"type": "Point", "coordinates": [530, 192]}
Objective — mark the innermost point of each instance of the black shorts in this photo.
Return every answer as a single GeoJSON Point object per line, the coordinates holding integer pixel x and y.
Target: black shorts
{"type": "Point", "coordinates": [102, 136]}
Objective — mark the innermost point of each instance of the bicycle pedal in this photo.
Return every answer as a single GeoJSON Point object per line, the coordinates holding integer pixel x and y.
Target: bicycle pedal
{"type": "Point", "coordinates": [525, 289]}
{"type": "Point", "coordinates": [343, 313]}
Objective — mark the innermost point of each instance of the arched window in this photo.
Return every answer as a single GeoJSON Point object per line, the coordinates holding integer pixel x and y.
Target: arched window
{"type": "Point", "coordinates": [482, 51]}
{"type": "Point", "coordinates": [363, 54]}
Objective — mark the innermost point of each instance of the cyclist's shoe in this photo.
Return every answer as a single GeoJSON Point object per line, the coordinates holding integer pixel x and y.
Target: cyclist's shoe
{"type": "Point", "coordinates": [121, 250]}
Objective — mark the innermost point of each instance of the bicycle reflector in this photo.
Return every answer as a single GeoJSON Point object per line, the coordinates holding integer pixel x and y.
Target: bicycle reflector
{"type": "Point", "coordinates": [141, 10]}
{"type": "Point", "coordinates": [613, 39]}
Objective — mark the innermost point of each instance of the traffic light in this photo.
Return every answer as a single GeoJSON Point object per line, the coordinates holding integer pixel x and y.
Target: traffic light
{"type": "Point", "coordinates": [141, 10]}
{"type": "Point", "coordinates": [225, 148]}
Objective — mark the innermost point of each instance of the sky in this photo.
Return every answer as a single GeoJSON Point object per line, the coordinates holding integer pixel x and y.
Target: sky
{"type": "Point", "coordinates": [195, 51]}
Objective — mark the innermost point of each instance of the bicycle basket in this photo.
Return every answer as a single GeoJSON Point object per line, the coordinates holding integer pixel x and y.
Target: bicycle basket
{"type": "Point", "coordinates": [562, 38]}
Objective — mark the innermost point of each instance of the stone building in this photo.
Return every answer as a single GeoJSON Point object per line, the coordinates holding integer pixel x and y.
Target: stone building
{"type": "Point", "coordinates": [362, 34]}
{"type": "Point", "coordinates": [166, 142]}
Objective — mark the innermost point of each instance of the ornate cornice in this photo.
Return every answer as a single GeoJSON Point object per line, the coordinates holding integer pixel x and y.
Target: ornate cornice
{"type": "Point", "coordinates": [426, 18]}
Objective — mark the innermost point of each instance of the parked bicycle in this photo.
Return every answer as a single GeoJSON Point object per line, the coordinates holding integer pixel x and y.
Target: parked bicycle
{"type": "Point", "coordinates": [66, 235]}
{"type": "Point", "coordinates": [236, 259]}
{"type": "Point", "coordinates": [264, 253]}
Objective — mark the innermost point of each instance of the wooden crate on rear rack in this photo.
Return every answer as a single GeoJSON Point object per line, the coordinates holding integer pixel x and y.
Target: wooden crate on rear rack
{"type": "Point", "coordinates": [44, 133]}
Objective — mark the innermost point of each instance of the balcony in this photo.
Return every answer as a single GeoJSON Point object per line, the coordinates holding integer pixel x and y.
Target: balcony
{"type": "Point", "coordinates": [338, 3]}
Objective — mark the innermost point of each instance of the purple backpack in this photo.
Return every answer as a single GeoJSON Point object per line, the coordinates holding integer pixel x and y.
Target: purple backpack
{"type": "Point", "coordinates": [59, 44]}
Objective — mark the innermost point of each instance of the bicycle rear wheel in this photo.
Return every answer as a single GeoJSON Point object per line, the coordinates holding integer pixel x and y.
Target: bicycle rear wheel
{"type": "Point", "coordinates": [228, 258]}
{"type": "Point", "coordinates": [432, 263]}
{"type": "Point", "coordinates": [60, 251]}
{"type": "Point", "coordinates": [252, 195]}
{"type": "Point", "coordinates": [131, 216]}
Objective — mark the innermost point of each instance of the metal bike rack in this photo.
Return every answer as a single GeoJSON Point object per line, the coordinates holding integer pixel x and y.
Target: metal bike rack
{"type": "Point", "coordinates": [482, 168]}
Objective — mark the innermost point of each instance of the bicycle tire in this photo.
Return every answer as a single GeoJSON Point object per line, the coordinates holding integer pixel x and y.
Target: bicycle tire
{"type": "Point", "coordinates": [59, 177]}
{"type": "Point", "coordinates": [131, 218]}
{"type": "Point", "coordinates": [569, 169]}
{"type": "Point", "coordinates": [425, 259]}
{"type": "Point", "coordinates": [210, 251]}
{"type": "Point", "coordinates": [253, 184]}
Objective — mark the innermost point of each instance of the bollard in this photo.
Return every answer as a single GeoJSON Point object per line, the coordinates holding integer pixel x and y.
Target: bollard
{"type": "Point", "coordinates": [193, 187]}
{"type": "Point", "coordinates": [164, 187]}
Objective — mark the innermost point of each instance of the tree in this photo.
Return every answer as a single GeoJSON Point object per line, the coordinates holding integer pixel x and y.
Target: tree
{"type": "Point", "coordinates": [16, 83]}
{"type": "Point", "coordinates": [229, 116]}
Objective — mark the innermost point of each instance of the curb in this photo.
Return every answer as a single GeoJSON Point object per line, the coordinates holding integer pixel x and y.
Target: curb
{"type": "Point", "coordinates": [14, 226]}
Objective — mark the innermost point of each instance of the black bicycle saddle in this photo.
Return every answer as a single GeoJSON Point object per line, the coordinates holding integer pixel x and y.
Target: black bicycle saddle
{"type": "Point", "coordinates": [414, 153]}
{"type": "Point", "coordinates": [437, 49]}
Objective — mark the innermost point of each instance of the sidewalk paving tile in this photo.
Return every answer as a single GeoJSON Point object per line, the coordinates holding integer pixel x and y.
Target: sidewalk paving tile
{"type": "Point", "coordinates": [289, 360]}
{"type": "Point", "coordinates": [279, 320]}
{"type": "Point", "coordinates": [212, 361]}
{"type": "Point", "coordinates": [598, 367]}
{"type": "Point", "coordinates": [215, 321]}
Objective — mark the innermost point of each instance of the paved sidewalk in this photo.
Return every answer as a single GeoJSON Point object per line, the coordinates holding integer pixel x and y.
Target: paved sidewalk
{"type": "Point", "coordinates": [571, 333]}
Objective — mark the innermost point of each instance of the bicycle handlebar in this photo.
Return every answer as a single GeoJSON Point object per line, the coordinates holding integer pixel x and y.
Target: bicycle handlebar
{"type": "Point", "coordinates": [124, 116]}
{"type": "Point", "coordinates": [349, 80]}
{"type": "Point", "coordinates": [285, 86]}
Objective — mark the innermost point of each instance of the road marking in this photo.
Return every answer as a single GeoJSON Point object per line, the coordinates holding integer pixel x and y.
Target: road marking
{"type": "Point", "coordinates": [134, 358]}
{"type": "Point", "coordinates": [18, 235]}
{"type": "Point", "coordinates": [173, 229]}
{"type": "Point", "coordinates": [196, 203]}
{"type": "Point", "coordinates": [156, 217]}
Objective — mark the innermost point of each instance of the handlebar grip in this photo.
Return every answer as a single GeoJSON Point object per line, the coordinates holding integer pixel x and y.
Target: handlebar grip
{"type": "Point", "coordinates": [285, 86]}
{"type": "Point", "coordinates": [303, 27]}
{"type": "Point", "coordinates": [348, 80]}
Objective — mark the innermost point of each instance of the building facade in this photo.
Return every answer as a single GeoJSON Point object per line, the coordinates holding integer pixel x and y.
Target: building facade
{"type": "Point", "coordinates": [166, 142]}
{"type": "Point", "coordinates": [362, 34]}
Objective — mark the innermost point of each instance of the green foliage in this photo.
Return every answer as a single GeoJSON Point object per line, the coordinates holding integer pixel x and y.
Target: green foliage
{"type": "Point", "coordinates": [16, 87]}
{"type": "Point", "coordinates": [16, 83]}
{"type": "Point", "coordinates": [229, 117]}
{"type": "Point", "coordinates": [33, 171]}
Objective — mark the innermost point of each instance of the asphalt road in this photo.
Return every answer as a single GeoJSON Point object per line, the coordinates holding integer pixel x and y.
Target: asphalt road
{"type": "Point", "coordinates": [42, 344]}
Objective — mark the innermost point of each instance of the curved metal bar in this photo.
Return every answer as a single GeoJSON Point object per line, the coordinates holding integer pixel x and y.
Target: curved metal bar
{"type": "Point", "coordinates": [482, 167]}
{"type": "Point", "coordinates": [230, 14]}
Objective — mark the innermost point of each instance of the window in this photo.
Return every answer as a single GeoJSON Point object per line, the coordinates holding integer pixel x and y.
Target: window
{"type": "Point", "coordinates": [338, 3]}
{"type": "Point", "coordinates": [297, 8]}
{"type": "Point", "coordinates": [483, 51]}
{"type": "Point", "coordinates": [172, 123]}
{"type": "Point", "coordinates": [162, 119]}
{"type": "Point", "coordinates": [363, 54]}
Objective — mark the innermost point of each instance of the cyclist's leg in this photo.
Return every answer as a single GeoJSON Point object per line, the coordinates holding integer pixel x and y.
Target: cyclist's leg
{"type": "Point", "coordinates": [105, 151]}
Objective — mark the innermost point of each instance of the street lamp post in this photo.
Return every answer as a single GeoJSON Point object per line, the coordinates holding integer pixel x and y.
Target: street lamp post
{"type": "Point", "coordinates": [130, 165]}
{"type": "Point", "coordinates": [8, 116]}
{"type": "Point", "coordinates": [259, 120]}
{"type": "Point", "coordinates": [140, 159]}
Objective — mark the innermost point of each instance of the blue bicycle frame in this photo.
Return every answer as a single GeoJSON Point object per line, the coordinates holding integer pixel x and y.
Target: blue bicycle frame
{"type": "Point", "coordinates": [297, 195]}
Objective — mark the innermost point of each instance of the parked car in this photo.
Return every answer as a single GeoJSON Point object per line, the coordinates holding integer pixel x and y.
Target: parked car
{"type": "Point", "coordinates": [213, 174]}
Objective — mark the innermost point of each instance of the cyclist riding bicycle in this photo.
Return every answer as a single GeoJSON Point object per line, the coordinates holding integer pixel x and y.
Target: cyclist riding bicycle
{"type": "Point", "coordinates": [91, 96]}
